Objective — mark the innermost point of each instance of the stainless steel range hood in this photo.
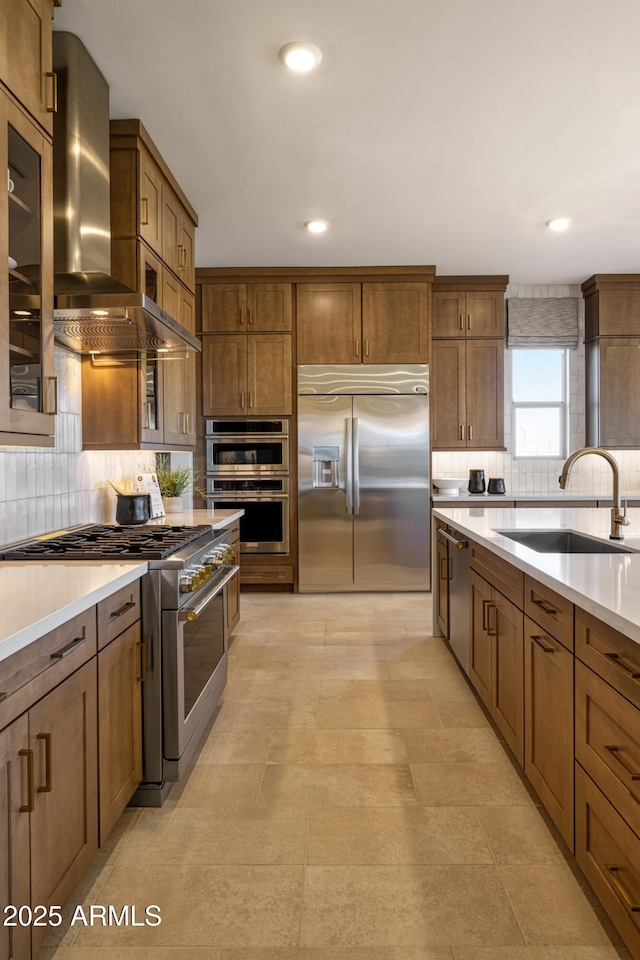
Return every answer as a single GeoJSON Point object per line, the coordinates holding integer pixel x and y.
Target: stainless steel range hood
{"type": "Point", "coordinates": [92, 311]}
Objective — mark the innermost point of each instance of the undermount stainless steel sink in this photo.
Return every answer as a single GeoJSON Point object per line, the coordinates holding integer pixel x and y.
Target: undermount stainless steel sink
{"type": "Point", "coordinates": [562, 541]}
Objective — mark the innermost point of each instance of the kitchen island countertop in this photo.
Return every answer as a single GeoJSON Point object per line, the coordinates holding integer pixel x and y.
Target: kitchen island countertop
{"type": "Point", "coordinates": [38, 597]}
{"type": "Point", "coordinates": [606, 585]}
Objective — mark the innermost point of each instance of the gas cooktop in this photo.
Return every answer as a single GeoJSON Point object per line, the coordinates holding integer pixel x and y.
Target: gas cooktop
{"type": "Point", "coordinates": [103, 542]}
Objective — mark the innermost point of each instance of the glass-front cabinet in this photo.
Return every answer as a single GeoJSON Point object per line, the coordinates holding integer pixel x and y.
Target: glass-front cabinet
{"type": "Point", "coordinates": [28, 389]}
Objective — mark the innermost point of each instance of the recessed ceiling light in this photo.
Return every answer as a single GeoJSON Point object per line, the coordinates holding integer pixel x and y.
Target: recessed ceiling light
{"type": "Point", "coordinates": [317, 226]}
{"type": "Point", "coordinates": [300, 56]}
{"type": "Point", "coordinates": [558, 224]}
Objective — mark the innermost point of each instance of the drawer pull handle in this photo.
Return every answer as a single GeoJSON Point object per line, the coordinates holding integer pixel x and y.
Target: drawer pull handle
{"type": "Point", "coordinates": [143, 661]}
{"type": "Point", "coordinates": [547, 608]}
{"type": "Point", "coordinates": [538, 642]}
{"type": "Point", "coordinates": [613, 872]}
{"type": "Point", "coordinates": [47, 762]}
{"type": "Point", "coordinates": [29, 806]}
{"type": "Point", "coordinates": [123, 609]}
{"type": "Point", "coordinates": [619, 662]}
{"type": "Point", "coordinates": [69, 647]}
{"type": "Point", "coordinates": [615, 753]}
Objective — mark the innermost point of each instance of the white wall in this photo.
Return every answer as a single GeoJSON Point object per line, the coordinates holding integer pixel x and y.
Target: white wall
{"type": "Point", "coordinates": [590, 475]}
{"type": "Point", "coordinates": [45, 490]}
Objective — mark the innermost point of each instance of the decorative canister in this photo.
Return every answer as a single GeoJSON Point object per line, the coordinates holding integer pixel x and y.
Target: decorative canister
{"type": "Point", "coordinates": [476, 481]}
{"type": "Point", "coordinates": [495, 485]}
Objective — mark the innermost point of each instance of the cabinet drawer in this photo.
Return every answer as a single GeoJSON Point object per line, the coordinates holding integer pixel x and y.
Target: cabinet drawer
{"type": "Point", "coordinates": [551, 611]}
{"type": "Point", "coordinates": [608, 853]}
{"type": "Point", "coordinates": [613, 656]}
{"type": "Point", "coordinates": [33, 672]}
{"type": "Point", "coordinates": [274, 574]}
{"type": "Point", "coordinates": [501, 574]}
{"type": "Point", "coordinates": [118, 612]}
{"type": "Point", "coordinates": [608, 742]}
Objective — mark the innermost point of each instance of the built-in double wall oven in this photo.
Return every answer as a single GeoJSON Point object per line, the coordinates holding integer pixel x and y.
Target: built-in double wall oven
{"type": "Point", "coordinates": [248, 469]}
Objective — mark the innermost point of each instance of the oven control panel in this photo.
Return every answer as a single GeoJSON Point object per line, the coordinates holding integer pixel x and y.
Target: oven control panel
{"type": "Point", "coordinates": [194, 577]}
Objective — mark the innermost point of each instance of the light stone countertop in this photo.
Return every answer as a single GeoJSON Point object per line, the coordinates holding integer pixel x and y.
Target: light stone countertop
{"type": "Point", "coordinates": [606, 585]}
{"type": "Point", "coordinates": [190, 518]}
{"type": "Point", "coordinates": [36, 598]}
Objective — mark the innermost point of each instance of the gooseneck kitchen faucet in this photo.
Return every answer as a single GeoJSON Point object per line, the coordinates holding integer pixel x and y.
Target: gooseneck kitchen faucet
{"type": "Point", "coordinates": [619, 517]}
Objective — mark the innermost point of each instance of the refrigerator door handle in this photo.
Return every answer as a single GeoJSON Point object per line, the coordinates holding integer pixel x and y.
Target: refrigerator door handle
{"type": "Point", "coordinates": [349, 462]}
{"type": "Point", "coordinates": [356, 465]}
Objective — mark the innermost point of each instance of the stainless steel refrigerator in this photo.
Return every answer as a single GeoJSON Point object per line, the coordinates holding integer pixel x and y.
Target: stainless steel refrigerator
{"type": "Point", "coordinates": [363, 477]}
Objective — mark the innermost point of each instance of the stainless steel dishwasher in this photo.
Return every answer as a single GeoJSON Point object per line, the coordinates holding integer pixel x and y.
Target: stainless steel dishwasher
{"type": "Point", "coordinates": [453, 592]}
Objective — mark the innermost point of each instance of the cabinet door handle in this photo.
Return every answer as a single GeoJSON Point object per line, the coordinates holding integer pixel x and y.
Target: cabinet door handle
{"type": "Point", "coordinates": [468, 321]}
{"type": "Point", "coordinates": [366, 348]}
{"type": "Point", "coordinates": [492, 632]}
{"type": "Point", "coordinates": [250, 400]}
{"type": "Point", "coordinates": [445, 565]}
{"type": "Point", "coordinates": [619, 662]}
{"type": "Point", "coordinates": [69, 647]}
{"type": "Point", "coordinates": [184, 256]}
{"type": "Point", "coordinates": [462, 431]}
{"type": "Point", "coordinates": [123, 609]}
{"type": "Point", "coordinates": [47, 762]}
{"type": "Point", "coordinates": [615, 753]}
{"type": "Point", "coordinates": [462, 321]}
{"type": "Point", "coordinates": [180, 257]}
{"type": "Point", "coordinates": [357, 347]}
{"type": "Point", "coordinates": [485, 604]}
{"type": "Point", "coordinates": [147, 415]}
{"type": "Point", "coordinates": [144, 217]}
{"type": "Point", "coordinates": [627, 899]}
{"type": "Point", "coordinates": [241, 316]}
{"type": "Point", "coordinates": [52, 104]}
{"type": "Point", "coordinates": [545, 607]}
{"type": "Point", "coordinates": [242, 399]}
{"type": "Point", "coordinates": [538, 642]}
{"type": "Point", "coordinates": [141, 645]}
{"type": "Point", "coordinates": [54, 411]}
{"type": "Point", "coordinates": [29, 806]}
{"type": "Point", "coordinates": [249, 315]}
{"type": "Point", "coordinates": [470, 432]}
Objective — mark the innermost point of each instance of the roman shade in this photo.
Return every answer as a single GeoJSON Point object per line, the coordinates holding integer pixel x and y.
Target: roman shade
{"type": "Point", "coordinates": [542, 322]}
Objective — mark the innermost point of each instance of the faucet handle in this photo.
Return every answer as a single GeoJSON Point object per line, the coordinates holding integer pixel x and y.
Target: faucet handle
{"type": "Point", "coordinates": [624, 518]}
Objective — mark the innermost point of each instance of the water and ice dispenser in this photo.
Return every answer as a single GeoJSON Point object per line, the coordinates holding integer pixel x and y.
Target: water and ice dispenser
{"type": "Point", "coordinates": [325, 466]}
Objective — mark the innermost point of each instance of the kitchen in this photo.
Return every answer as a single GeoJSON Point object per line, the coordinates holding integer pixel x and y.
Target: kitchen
{"type": "Point", "coordinates": [50, 489]}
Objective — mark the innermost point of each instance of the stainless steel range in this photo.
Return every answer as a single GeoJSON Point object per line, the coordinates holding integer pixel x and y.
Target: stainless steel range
{"type": "Point", "coordinates": [183, 626]}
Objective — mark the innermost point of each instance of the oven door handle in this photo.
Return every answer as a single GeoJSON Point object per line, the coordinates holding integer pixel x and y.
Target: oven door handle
{"type": "Point", "coordinates": [193, 611]}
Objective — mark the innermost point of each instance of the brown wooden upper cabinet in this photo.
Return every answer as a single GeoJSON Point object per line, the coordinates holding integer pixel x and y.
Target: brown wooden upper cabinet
{"type": "Point", "coordinates": [612, 332]}
{"type": "Point", "coordinates": [467, 394]}
{"type": "Point", "coordinates": [26, 57]}
{"type": "Point", "coordinates": [247, 375]}
{"type": "Point", "coordinates": [470, 313]}
{"type": "Point", "coordinates": [246, 307]}
{"type": "Point", "coordinates": [385, 322]}
{"type": "Point", "coordinates": [27, 381]}
{"type": "Point", "coordinates": [147, 202]}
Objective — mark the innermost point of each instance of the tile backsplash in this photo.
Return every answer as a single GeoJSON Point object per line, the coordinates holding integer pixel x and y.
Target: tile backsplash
{"type": "Point", "coordinates": [589, 475]}
{"type": "Point", "coordinates": [44, 490]}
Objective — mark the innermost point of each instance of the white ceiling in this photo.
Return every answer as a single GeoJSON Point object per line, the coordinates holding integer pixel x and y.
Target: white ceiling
{"type": "Point", "coordinates": [438, 133]}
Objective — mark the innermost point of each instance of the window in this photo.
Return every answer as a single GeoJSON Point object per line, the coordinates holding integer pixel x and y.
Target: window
{"type": "Point", "coordinates": [539, 402]}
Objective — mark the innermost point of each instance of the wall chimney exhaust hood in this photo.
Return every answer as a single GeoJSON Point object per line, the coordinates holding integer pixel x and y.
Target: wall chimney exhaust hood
{"type": "Point", "coordinates": [93, 313]}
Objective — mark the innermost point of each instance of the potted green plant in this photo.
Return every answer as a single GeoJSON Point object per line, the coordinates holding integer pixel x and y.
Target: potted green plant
{"type": "Point", "coordinates": [173, 481]}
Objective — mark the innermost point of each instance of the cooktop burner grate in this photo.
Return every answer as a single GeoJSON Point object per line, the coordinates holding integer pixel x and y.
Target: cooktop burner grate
{"type": "Point", "coordinates": [102, 542]}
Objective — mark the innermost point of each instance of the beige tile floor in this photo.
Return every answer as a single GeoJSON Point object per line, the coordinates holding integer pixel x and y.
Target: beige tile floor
{"type": "Point", "coordinates": [351, 801]}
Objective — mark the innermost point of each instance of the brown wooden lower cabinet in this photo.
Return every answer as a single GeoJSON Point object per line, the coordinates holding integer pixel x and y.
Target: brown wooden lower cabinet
{"type": "Point", "coordinates": [548, 699]}
{"type": "Point", "coordinates": [15, 942]}
{"type": "Point", "coordinates": [233, 587]}
{"type": "Point", "coordinates": [442, 575]}
{"type": "Point", "coordinates": [608, 853]}
{"type": "Point", "coordinates": [64, 819]}
{"type": "Point", "coordinates": [496, 660]}
{"type": "Point", "coordinates": [120, 676]}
